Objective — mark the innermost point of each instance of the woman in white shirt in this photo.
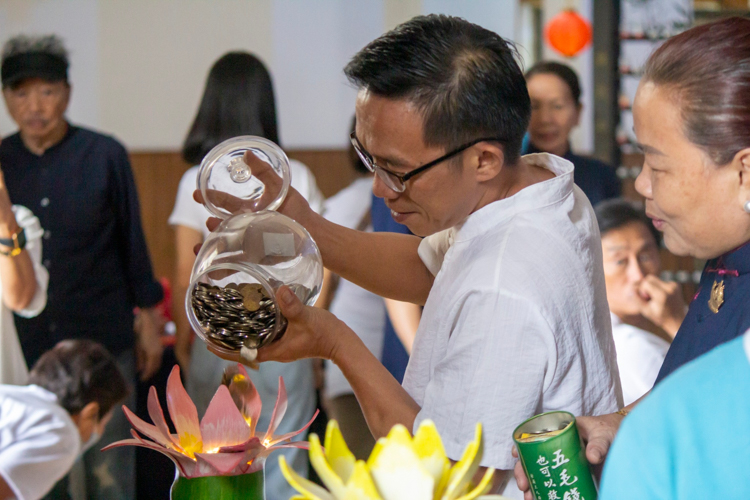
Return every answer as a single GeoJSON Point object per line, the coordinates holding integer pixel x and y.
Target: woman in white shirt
{"type": "Point", "coordinates": [23, 279]}
{"type": "Point", "coordinates": [646, 311]}
{"type": "Point", "coordinates": [238, 100]}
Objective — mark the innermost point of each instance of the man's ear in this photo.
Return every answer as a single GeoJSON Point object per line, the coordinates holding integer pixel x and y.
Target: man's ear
{"type": "Point", "coordinates": [490, 161]}
{"type": "Point", "coordinates": [88, 414]}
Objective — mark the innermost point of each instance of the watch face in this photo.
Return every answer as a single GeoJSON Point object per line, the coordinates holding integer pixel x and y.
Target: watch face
{"type": "Point", "coordinates": [21, 239]}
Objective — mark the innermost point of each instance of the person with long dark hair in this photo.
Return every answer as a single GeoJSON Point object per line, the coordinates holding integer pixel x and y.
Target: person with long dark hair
{"type": "Point", "coordinates": [238, 100]}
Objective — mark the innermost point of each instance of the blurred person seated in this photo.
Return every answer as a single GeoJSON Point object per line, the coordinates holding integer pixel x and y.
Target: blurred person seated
{"type": "Point", "coordinates": [646, 311]}
{"type": "Point", "coordinates": [688, 439]}
{"type": "Point", "coordinates": [363, 311]}
{"type": "Point", "coordinates": [238, 100]}
{"type": "Point", "coordinates": [47, 425]}
{"type": "Point", "coordinates": [555, 111]}
{"type": "Point", "coordinates": [23, 281]}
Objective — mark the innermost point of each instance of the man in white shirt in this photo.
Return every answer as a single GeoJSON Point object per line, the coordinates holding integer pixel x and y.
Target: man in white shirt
{"type": "Point", "coordinates": [510, 273]}
{"type": "Point", "coordinates": [46, 425]}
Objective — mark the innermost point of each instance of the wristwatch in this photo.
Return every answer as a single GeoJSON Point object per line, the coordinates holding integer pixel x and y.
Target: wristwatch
{"type": "Point", "coordinates": [17, 243]}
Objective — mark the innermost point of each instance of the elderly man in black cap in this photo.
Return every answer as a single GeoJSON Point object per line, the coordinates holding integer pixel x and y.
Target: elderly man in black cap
{"type": "Point", "coordinates": [81, 187]}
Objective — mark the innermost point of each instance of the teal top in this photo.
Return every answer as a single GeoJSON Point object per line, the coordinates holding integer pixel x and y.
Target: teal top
{"type": "Point", "coordinates": [690, 438]}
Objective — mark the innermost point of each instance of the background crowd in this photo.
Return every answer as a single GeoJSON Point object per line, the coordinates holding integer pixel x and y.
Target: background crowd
{"type": "Point", "coordinates": [80, 300]}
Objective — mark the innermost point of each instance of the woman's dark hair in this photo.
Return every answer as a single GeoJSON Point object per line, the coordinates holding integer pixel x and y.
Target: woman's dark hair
{"type": "Point", "coordinates": [562, 71]}
{"type": "Point", "coordinates": [707, 70]}
{"type": "Point", "coordinates": [618, 212]}
{"type": "Point", "coordinates": [80, 372]}
{"type": "Point", "coordinates": [238, 100]}
{"type": "Point", "coordinates": [463, 78]}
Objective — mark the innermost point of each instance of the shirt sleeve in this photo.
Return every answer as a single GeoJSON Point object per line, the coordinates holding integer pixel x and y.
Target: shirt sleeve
{"type": "Point", "coordinates": [33, 230]}
{"type": "Point", "coordinates": [188, 212]}
{"type": "Point", "coordinates": [495, 374]}
{"type": "Point", "coordinates": [433, 248]}
{"type": "Point", "coordinates": [145, 291]}
{"type": "Point", "coordinates": [41, 456]}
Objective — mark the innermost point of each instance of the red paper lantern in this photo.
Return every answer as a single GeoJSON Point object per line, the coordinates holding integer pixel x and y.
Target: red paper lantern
{"type": "Point", "coordinates": [568, 33]}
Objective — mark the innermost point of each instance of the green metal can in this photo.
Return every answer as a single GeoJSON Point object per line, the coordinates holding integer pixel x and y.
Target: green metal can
{"type": "Point", "coordinates": [553, 458]}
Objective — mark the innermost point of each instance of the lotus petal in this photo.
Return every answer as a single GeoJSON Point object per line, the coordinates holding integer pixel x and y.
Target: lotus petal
{"type": "Point", "coordinates": [339, 456]}
{"type": "Point", "coordinates": [361, 485]}
{"type": "Point", "coordinates": [278, 412]}
{"type": "Point", "coordinates": [251, 443]}
{"type": "Point", "coordinates": [147, 429]}
{"type": "Point", "coordinates": [184, 414]}
{"type": "Point", "coordinates": [483, 487]}
{"type": "Point", "coordinates": [157, 416]}
{"type": "Point", "coordinates": [429, 449]}
{"type": "Point", "coordinates": [222, 424]}
{"type": "Point", "coordinates": [464, 470]}
{"type": "Point", "coordinates": [290, 435]}
{"type": "Point", "coordinates": [318, 460]}
{"type": "Point", "coordinates": [375, 453]}
{"type": "Point", "coordinates": [244, 394]}
{"type": "Point", "coordinates": [183, 463]}
{"type": "Point", "coordinates": [309, 490]}
{"type": "Point", "coordinates": [398, 471]}
{"type": "Point", "coordinates": [222, 463]}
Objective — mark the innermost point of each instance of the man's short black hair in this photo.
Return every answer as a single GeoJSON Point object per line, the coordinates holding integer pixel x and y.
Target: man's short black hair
{"type": "Point", "coordinates": [463, 78]}
{"type": "Point", "coordinates": [80, 372]}
{"type": "Point", "coordinates": [618, 212]}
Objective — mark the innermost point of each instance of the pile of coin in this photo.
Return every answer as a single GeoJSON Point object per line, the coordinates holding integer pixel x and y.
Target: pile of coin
{"type": "Point", "coordinates": [236, 315]}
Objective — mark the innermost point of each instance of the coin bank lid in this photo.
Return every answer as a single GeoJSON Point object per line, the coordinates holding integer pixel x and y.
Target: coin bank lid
{"type": "Point", "coordinates": [227, 184]}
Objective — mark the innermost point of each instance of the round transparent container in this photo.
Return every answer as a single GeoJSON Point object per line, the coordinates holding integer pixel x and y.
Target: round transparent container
{"type": "Point", "coordinates": [231, 300]}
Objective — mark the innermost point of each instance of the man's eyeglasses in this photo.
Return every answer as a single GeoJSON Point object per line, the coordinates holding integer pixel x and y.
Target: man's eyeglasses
{"type": "Point", "coordinates": [397, 181]}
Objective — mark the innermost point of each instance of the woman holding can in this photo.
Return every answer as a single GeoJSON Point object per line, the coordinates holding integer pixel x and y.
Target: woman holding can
{"type": "Point", "coordinates": [692, 121]}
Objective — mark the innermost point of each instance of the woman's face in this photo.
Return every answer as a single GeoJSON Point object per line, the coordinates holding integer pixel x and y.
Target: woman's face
{"type": "Point", "coordinates": [696, 204]}
{"type": "Point", "coordinates": [630, 254]}
{"type": "Point", "coordinates": [554, 113]}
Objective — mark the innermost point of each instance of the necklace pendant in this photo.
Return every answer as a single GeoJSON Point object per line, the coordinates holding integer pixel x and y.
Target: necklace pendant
{"type": "Point", "coordinates": [717, 296]}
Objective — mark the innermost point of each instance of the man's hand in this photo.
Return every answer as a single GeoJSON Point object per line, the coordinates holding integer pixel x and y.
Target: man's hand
{"type": "Point", "coordinates": [149, 348]}
{"type": "Point", "coordinates": [311, 332]}
{"type": "Point", "coordinates": [662, 304]}
{"type": "Point", "coordinates": [597, 434]}
{"type": "Point", "coordinates": [8, 224]}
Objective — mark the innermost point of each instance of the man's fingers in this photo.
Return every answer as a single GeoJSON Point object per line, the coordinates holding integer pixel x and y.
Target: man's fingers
{"type": "Point", "coordinates": [291, 307]}
{"type": "Point", "coordinates": [521, 480]}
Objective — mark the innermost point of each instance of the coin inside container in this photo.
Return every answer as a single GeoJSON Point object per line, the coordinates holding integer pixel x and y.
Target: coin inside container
{"type": "Point", "coordinates": [231, 308]}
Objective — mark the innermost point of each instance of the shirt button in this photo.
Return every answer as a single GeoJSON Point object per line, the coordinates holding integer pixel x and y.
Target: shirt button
{"type": "Point", "coordinates": [44, 202]}
{"type": "Point", "coordinates": [47, 235]}
{"type": "Point", "coordinates": [46, 263]}
{"type": "Point", "coordinates": [52, 327]}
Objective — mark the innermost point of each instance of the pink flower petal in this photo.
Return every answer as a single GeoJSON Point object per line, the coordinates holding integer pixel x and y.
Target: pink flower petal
{"type": "Point", "coordinates": [223, 425]}
{"type": "Point", "coordinates": [251, 443]}
{"type": "Point", "coordinates": [145, 428]}
{"type": "Point", "coordinates": [222, 463]}
{"type": "Point", "coordinates": [157, 416]}
{"type": "Point", "coordinates": [278, 411]}
{"type": "Point", "coordinates": [290, 435]}
{"type": "Point", "coordinates": [184, 414]}
{"type": "Point", "coordinates": [245, 395]}
{"type": "Point", "coordinates": [183, 463]}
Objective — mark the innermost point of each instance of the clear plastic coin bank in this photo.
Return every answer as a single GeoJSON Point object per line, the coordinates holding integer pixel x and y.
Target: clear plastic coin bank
{"type": "Point", "coordinates": [231, 300]}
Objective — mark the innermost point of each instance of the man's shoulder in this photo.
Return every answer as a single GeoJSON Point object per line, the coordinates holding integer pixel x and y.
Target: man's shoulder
{"type": "Point", "coordinates": [98, 139]}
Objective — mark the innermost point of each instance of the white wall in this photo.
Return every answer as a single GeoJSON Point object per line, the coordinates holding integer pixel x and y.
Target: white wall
{"type": "Point", "coordinates": [138, 66]}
